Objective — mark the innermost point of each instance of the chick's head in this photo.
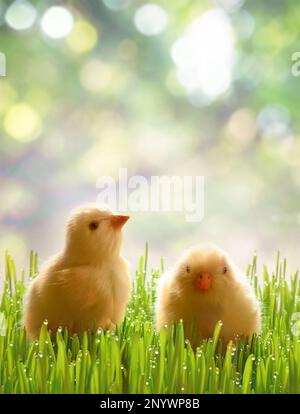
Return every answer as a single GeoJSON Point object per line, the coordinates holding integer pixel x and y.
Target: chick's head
{"type": "Point", "coordinates": [94, 233]}
{"type": "Point", "coordinates": [204, 271]}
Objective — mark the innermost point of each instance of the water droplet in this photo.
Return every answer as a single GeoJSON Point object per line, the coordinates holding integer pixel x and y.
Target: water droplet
{"type": "Point", "coordinates": [46, 322]}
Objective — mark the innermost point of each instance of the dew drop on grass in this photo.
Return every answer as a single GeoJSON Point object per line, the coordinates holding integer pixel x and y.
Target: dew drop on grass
{"type": "Point", "coordinates": [46, 322]}
{"type": "Point", "coordinates": [59, 329]}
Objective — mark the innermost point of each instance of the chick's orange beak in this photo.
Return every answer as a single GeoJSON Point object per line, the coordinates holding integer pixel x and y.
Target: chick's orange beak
{"type": "Point", "coordinates": [118, 221]}
{"type": "Point", "coordinates": [203, 281]}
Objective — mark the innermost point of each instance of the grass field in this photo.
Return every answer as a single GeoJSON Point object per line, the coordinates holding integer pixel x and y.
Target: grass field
{"type": "Point", "coordinates": [137, 359]}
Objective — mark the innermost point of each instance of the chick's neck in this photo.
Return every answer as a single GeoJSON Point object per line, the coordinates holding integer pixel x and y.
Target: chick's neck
{"type": "Point", "coordinates": [80, 256]}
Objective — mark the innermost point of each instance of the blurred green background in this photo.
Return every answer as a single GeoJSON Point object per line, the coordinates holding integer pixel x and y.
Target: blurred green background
{"type": "Point", "coordinates": [166, 88]}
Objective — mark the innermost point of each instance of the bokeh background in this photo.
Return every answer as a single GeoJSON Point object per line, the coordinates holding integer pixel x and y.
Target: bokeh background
{"type": "Point", "coordinates": [165, 88]}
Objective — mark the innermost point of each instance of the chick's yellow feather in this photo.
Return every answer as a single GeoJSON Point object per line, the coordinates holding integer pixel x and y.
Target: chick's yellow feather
{"type": "Point", "coordinates": [85, 286]}
{"type": "Point", "coordinates": [228, 297]}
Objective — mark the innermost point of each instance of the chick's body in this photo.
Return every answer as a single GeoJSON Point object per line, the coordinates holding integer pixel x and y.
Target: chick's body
{"type": "Point", "coordinates": [203, 288]}
{"type": "Point", "coordinates": [85, 286]}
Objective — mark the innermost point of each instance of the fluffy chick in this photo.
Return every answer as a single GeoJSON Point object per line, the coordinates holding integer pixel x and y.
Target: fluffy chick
{"type": "Point", "coordinates": [87, 284]}
{"type": "Point", "coordinates": [205, 286]}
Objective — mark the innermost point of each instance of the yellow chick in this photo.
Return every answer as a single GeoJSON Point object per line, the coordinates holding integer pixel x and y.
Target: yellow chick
{"type": "Point", "coordinates": [87, 284]}
{"type": "Point", "coordinates": [205, 286]}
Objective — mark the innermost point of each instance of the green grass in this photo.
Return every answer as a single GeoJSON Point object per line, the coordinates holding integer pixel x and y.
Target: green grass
{"type": "Point", "coordinates": [137, 359]}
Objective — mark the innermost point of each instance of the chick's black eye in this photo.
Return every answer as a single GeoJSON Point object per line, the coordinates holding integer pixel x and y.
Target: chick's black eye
{"type": "Point", "coordinates": [93, 225]}
{"type": "Point", "coordinates": [225, 270]}
{"type": "Point", "coordinates": [188, 269]}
